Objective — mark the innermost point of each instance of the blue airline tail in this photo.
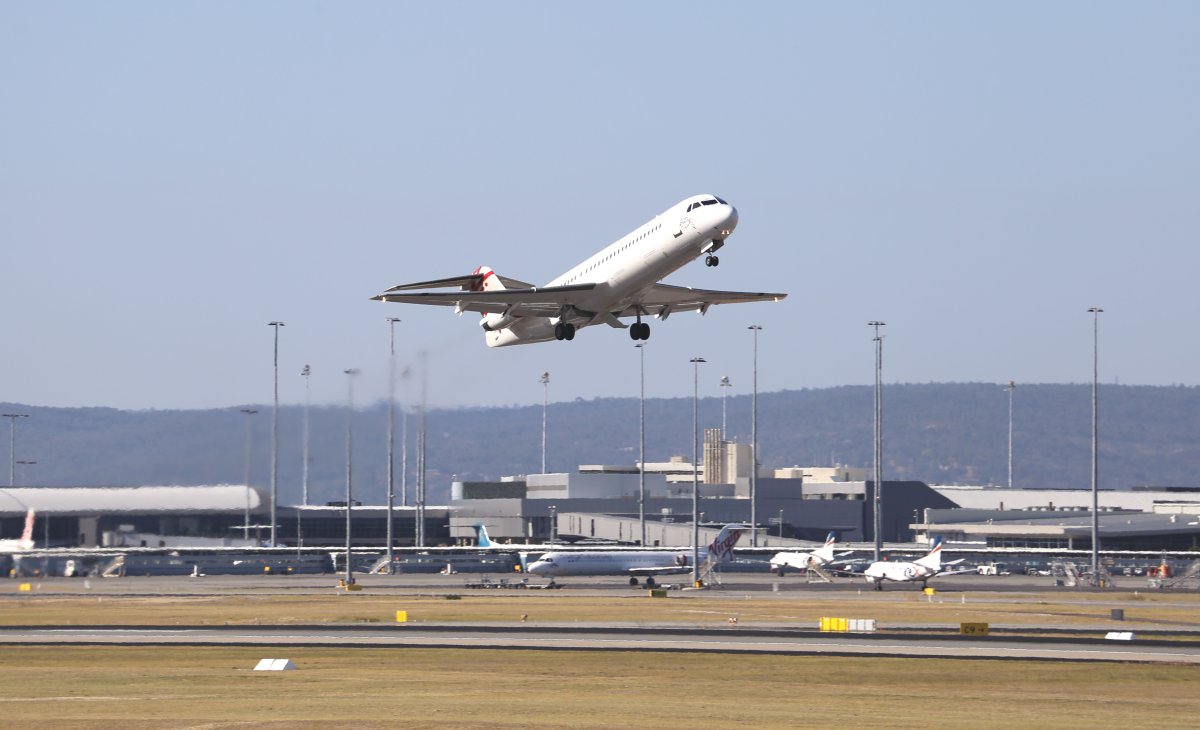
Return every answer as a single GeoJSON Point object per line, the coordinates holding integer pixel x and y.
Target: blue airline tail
{"type": "Point", "coordinates": [481, 536]}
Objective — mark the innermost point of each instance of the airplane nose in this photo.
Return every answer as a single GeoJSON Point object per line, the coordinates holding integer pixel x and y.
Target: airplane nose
{"type": "Point", "coordinates": [729, 222]}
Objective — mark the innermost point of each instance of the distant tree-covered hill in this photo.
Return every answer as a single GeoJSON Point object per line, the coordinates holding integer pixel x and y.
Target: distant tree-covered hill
{"type": "Point", "coordinates": [936, 432]}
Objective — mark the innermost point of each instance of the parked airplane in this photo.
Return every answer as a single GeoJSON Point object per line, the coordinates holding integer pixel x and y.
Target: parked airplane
{"type": "Point", "coordinates": [635, 563]}
{"type": "Point", "coordinates": [23, 543]}
{"type": "Point", "coordinates": [921, 569]}
{"type": "Point", "coordinates": [822, 556]}
{"type": "Point", "coordinates": [622, 280]}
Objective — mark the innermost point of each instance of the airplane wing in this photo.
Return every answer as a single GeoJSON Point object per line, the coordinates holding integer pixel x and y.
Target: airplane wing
{"type": "Point", "coordinates": [957, 572]}
{"type": "Point", "coordinates": [664, 299]}
{"type": "Point", "coordinates": [664, 570]}
{"type": "Point", "coordinates": [527, 301]}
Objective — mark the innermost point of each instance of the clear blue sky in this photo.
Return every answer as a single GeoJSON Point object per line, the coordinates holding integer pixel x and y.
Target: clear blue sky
{"type": "Point", "coordinates": [175, 175]}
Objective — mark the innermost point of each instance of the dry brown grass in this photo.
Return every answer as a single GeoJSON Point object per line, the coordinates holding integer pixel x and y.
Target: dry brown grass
{"type": "Point", "coordinates": [1044, 610]}
{"type": "Point", "coordinates": [136, 687]}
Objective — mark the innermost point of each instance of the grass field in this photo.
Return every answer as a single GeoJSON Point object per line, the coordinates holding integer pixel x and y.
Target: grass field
{"type": "Point", "coordinates": [212, 688]}
{"type": "Point", "coordinates": [215, 687]}
{"type": "Point", "coordinates": [1040, 610]}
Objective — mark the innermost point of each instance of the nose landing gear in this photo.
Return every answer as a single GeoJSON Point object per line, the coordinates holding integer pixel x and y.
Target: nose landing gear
{"type": "Point", "coordinates": [711, 260]}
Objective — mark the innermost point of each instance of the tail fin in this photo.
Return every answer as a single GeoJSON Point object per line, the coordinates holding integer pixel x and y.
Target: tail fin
{"type": "Point", "coordinates": [27, 535]}
{"type": "Point", "coordinates": [487, 281]}
{"type": "Point", "coordinates": [481, 536]}
{"type": "Point", "coordinates": [825, 552]}
{"type": "Point", "coordinates": [934, 559]}
{"type": "Point", "coordinates": [721, 549]}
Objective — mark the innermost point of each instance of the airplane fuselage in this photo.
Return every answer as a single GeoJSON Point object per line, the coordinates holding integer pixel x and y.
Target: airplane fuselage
{"type": "Point", "coordinates": [898, 571]}
{"type": "Point", "coordinates": [610, 563]}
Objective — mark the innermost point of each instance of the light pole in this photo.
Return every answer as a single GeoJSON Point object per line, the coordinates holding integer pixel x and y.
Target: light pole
{"type": "Point", "coordinates": [1095, 311]}
{"type": "Point", "coordinates": [12, 444]}
{"type": "Point", "coordinates": [642, 440]}
{"type": "Point", "coordinates": [350, 373]}
{"type": "Point", "coordinates": [545, 381]}
{"type": "Point", "coordinates": [725, 385]}
{"type": "Point", "coordinates": [275, 436]}
{"type": "Point", "coordinates": [307, 371]}
{"type": "Point", "coordinates": [1010, 388]}
{"type": "Point", "coordinates": [553, 524]}
{"type": "Point", "coordinates": [422, 433]}
{"type": "Point", "coordinates": [878, 496]}
{"type": "Point", "coordinates": [696, 470]}
{"type": "Point", "coordinates": [754, 443]}
{"type": "Point", "coordinates": [246, 522]}
{"type": "Point", "coordinates": [391, 444]}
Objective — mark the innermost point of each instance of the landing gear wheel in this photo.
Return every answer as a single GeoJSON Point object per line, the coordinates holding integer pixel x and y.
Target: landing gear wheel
{"type": "Point", "coordinates": [715, 261]}
{"type": "Point", "coordinates": [570, 331]}
{"type": "Point", "coordinates": [650, 583]}
{"type": "Point", "coordinates": [708, 260]}
{"type": "Point", "coordinates": [633, 581]}
{"type": "Point", "coordinates": [560, 331]}
{"type": "Point", "coordinates": [639, 331]}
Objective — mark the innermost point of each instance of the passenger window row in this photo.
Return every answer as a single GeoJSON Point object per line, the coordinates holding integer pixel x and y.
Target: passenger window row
{"type": "Point", "coordinates": [614, 253]}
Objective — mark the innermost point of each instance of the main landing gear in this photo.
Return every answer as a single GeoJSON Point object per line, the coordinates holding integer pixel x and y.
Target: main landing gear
{"type": "Point", "coordinates": [711, 260]}
{"type": "Point", "coordinates": [564, 331]}
{"type": "Point", "coordinates": [639, 331]}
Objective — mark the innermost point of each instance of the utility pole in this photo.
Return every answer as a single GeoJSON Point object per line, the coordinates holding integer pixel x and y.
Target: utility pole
{"type": "Point", "coordinates": [545, 381]}
{"type": "Point", "coordinates": [275, 438]}
{"type": "Point", "coordinates": [754, 443]}
{"type": "Point", "coordinates": [1010, 388]}
{"type": "Point", "coordinates": [305, 373]}
{"type": "Point", "coordinates": [878, 496]}
{"type": "Point", "coordinates": [641, 346]}
{"type": "Point", "coordinates": [696, 470]}
{"type": "Point", "coordinates": [1095, 445]}
{"type": "Point", "coordinates": [391, 444]}
{"type": "Point", "coordinates": [350, 374]}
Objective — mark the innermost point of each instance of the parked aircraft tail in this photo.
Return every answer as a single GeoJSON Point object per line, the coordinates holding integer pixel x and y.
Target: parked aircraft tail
{"type": "Point", "coordinates": [27, 534]}
{"type": "Point", "coordinates": [825, 552]}
{"type": "Point", "coordinates": [933, 560]}
{"type": "Point", "coordinates": [721, 549]}
{"type": "Point", "coordinates": [481, 536]}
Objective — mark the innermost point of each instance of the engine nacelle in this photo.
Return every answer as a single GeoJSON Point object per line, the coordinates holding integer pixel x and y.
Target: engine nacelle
{"type": "Point", "coordinates": [494, 322]}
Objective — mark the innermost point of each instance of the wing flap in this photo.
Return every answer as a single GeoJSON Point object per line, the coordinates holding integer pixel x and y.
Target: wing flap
{"type": "Point", "coordinates": [530, 302]}
{"type": "Point", "coordinates": [662, 298]}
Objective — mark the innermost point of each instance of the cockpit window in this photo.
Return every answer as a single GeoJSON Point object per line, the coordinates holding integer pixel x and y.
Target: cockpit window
{"type": "Point", "coordinates": [709, 202]}
{"type": "Point", "coordinates": [722, 202]}
{"type": "Point", "coordinates": [692, 207]}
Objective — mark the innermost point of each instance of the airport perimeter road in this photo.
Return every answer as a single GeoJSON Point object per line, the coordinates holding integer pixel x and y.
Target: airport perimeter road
{"type": "Point", "coordinates": [620, 639]}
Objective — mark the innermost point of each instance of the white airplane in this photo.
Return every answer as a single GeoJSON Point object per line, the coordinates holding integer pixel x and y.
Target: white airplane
{"type": "Point", "coordinates": [23, 543]}
{"type": "Point", "coordinates": [822, 556]}
{"type": "Point", "coordinates": [635, 563]}
{"type": "Point", "coordinates": [622, 280]}
{"type": "Point", "coordinates": [921, 569]}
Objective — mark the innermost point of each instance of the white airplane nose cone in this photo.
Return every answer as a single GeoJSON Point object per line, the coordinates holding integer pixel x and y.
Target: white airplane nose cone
{"type": "Point", "coordinates": [728, 221]}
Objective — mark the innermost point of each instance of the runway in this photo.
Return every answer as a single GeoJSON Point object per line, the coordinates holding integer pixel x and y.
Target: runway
{"type": "Point", "coordinates": [665, 639]}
